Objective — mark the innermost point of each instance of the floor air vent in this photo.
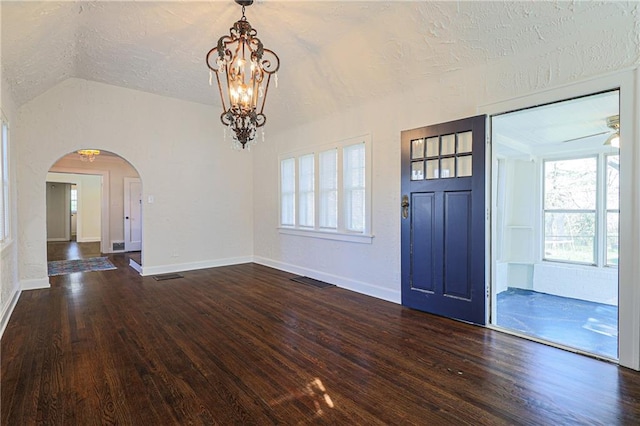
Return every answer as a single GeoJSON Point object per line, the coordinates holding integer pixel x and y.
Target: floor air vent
{"type": "Point", "coordinates": [312, 282]}
{"type": "Point", "coordinates": [164, 277]}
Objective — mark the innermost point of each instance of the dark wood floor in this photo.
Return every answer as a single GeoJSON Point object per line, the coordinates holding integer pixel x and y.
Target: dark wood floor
{"type": "Point", "coordinates": [63, 250]}
{"type": "Point", "coordinates": [245, 345]}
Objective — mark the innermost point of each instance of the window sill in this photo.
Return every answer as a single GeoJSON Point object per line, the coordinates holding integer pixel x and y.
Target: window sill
{"type": "Point", "coordinates": [328, 235]}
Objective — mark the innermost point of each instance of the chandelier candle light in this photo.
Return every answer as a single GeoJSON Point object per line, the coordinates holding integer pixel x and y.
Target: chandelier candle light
{"type": "Point", "coordinates": [243, 69]}
{"type": "Point", "coordinates": [89, 154]}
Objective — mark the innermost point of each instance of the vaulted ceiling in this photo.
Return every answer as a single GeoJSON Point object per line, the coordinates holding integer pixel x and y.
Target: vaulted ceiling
{"type": "Point", "coordinates": [333, 54]}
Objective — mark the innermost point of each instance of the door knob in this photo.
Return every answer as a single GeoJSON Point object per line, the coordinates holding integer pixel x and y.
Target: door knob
{"type": "Point", "coordinates": [405, 206]}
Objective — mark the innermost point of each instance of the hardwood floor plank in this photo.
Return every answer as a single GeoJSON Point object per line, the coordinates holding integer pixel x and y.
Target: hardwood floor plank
{"type": "Point", "coordinates": [244, 345]}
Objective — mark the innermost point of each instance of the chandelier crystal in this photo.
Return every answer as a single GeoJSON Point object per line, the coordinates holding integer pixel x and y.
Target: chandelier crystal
{"type": "Point", "coordinates": [89, 154]}
{"type": "Point", "coordinates": [243, 70]}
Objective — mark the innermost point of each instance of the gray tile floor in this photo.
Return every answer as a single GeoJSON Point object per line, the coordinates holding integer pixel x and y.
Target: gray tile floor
{"type": "Point", "coordinates": [588, 326]}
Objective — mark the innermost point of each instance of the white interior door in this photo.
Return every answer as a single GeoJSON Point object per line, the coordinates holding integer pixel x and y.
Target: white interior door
{"type": "Point", "coordinates": [132, 214]}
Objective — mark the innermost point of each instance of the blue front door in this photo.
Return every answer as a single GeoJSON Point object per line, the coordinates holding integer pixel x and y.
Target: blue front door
{"type": "Point", "coordinates": [443, 219]}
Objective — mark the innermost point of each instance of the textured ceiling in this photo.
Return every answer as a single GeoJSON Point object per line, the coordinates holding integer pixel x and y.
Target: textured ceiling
{"type": "Point", "coordinates": [333, 54]}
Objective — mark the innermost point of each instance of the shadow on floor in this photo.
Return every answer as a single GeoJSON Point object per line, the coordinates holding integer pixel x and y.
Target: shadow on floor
{"type": "Point", "coordinates": [587, 326]}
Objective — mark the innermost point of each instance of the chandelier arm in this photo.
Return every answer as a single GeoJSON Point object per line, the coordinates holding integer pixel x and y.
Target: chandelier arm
{"type": "Point", "coordinates": [264, 97]}
{"type": "Point", "coordinates": [224, 107]}
{"type": "Point", "coordinates": [266, 63]}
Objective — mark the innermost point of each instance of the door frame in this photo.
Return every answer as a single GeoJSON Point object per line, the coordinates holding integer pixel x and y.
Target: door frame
{"type": "Point", "coordinates": [105, 202]}
{"type": "Point", "coordinates": [629, 292]}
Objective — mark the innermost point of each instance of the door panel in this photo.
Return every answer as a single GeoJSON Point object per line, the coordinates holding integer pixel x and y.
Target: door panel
{"type": "Point", "coordinates": [132, 214]}
{"type": "Point", "coordinates": [457, 244]}
{"type": "Point", "coordinates": [423, 260]}
{"type": "Point", "coordinates": [443, 228]}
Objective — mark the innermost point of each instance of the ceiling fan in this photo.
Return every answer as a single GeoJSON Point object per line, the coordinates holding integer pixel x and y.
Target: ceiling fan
{"type": "Point", "coordinates": [613, 123]}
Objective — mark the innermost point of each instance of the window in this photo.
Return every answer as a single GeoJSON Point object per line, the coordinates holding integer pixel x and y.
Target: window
{"type": "Point", "coordinates": [74, 199]}
{"type": "Point", "coordinates": [287, 191]}
{"type": "Point", "coordinates": [306, 196]}
{"type": "Point", "coordinates": [4, 176]}
{"type": "Point", "coordinates": [325, 192]}
{"type": "Point", "coordinates": [580, 219]}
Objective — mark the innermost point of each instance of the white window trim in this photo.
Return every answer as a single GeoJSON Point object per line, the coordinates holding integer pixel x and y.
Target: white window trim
{"type": "Point", "coordinates": [6, 237]}
{"type": "Point", "coordinates": [339, 234]}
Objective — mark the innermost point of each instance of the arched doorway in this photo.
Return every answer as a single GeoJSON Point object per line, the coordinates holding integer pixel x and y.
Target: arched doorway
{"type": "Point", "coordinates": [116, 220]}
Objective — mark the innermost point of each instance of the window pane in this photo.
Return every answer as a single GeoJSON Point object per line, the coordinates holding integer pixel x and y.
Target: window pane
{"type": "Point", "coordinates": [570, 236]}
{"type": "Point", "coordinates": [570, 184]}
{"type": "Point", "coordinates": [417, 170]}
{"type": "Point", "coordinates": [613, 181]}
{"type": "Point", "coordinates": [613, 219]}
{"type": "Point", "coordinates": [417, 148]}
{"type": "Point", "coordinates": [464, 166]}
{"type": "Point", "coordinates": [74, 200]}
{"type": "Point", "coordinates": [432, 169]}
{"type": "Point", "coordinates": [464, 142]}
{"type": "Point", "coordinates": [448, 167]}
{"type": "Point", "coordinates": [432, 147]}
{"type": "Point", "coordinates": [287, 188]}
{"type": "Point", "coordinates": [306, 190]}
{"type": "Point", "coordinates": [328, 186]}
{"type": "Point", "coordinates": [354, 187]}
{"type": "Point", "coordinates": [448, 145]}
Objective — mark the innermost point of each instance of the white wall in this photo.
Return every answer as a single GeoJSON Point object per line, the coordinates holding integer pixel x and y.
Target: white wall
{"type": "Point", "coordinates": [89, 187]}
{"type": "Point", "coordinates": [201, 215]}
{"type": "Point", "coordinates": [9, 283]}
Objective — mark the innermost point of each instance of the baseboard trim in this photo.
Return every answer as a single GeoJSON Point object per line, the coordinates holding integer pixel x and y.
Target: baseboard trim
{"type": "Point", "coordinates": [57, 240]}
{"type": "Point", "coordinates": [181, 267]}
{"type": "Point", "coordinates": [35, 284]}
{"type": "Point", "coordinates": [135, 266]}
{"type": "Point", "coordinates": [88, 240]}
{"type": "Point", "coordinates": [6, 314]}
{"type": "Point", "coordinates": [342, 282]}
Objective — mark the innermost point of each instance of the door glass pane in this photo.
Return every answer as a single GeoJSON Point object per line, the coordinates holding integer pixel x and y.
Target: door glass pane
{"type": "Point", "coordinates": [448, 145]}
{"type": "Point", "coordinates": [447, 167]}
{"type": "Point", "coordinates": [432, 147]}
{"type": "Point", "coordinates": [464, 142]}
{"type": "Point", "coordinates": [417, 148]}
{"type": "Point", "coordinates": [432, 169]}
{"type": "Point", "coordinates": [464, 166]}
{"type": "Point", "coordinates": [570, 236]}
{"type": "Point", "coordinates": [417, 170]}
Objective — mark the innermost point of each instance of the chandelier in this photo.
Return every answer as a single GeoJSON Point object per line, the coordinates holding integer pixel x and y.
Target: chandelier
{"type": "Point", "coordinates": [89, 154]}
{"type": "Point", "coordinates": [243, 70]}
